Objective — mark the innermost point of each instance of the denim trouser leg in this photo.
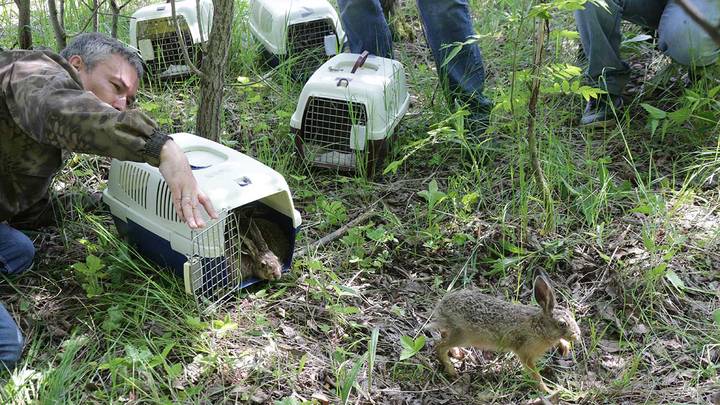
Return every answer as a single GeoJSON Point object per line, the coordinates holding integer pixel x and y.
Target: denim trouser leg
{"type": "Point", "coordinates": [680, 38]}
{"type": "Point", "coordinates": [16, 255]}
{"type": "Point", "coordinates": [365, 26]}
{"type": "Point", "coordinates": [447, 22]}
{"type": "Point", "coordinates": [600, 37]}
{"type": "Point", "coordinates": [683, 40]}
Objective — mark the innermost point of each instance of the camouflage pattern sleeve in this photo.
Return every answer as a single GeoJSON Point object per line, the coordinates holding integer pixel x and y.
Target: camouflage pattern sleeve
{"type": "Point", "coordinates": [48, 102]}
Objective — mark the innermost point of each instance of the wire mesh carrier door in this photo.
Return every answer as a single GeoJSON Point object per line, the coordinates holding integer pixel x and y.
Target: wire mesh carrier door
{"type": "Point", "coordinates": [234, 252]}
{"type": "Point", "coordinates": [161, 41]}
{"type": "Point", "coordinates": [162, 46]}
{"type": "Point", "coordinates": [306, 46]}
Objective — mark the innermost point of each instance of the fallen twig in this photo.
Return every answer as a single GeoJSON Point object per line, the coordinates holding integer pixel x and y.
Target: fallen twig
{"type": "Point", "coordinates": [335, 235]}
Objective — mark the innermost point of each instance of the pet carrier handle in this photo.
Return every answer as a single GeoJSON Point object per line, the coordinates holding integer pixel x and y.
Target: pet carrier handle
{"type": "Point", "coordinates": [360, 61]}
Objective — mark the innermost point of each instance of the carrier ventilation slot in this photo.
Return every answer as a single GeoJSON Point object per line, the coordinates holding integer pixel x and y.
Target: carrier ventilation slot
{"type": "Point", "coordinates": [328, 123]}
{"type": "Point", "coordinates": [163, 203]}
{"type": "Point", "coordinates": [133, 181]}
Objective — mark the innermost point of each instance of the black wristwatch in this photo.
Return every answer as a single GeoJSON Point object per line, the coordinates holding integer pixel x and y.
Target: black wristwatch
{"type": "Point", "coordinates": [154, 145]}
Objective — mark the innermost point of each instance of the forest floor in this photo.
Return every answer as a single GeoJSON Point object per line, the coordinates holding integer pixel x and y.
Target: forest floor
{"type": "Point", "coordinates": [633, 252]}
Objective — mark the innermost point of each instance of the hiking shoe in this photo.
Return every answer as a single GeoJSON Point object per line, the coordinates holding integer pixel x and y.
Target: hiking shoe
{"type": "Point", "coordinates": [599, 111]}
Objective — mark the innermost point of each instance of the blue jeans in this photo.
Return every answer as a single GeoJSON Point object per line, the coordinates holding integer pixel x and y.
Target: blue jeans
{"type": "Point", "coordinates": [679, 37]}
{"type": "Point", "coordinates": [16, 255]}
{"type": "Point", "coordinates": [445, 22]}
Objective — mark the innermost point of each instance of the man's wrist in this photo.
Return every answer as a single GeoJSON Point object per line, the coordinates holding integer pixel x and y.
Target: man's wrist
{"type": "Point", "coordinates": [154, 146]}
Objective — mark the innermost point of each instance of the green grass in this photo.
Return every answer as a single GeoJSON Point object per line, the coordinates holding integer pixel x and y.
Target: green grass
{"type": "Point", "coordinates": [633, 253]}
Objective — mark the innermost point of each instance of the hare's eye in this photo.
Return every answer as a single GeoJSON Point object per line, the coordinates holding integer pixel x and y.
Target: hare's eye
{"type": "Point", "coordinates": [562, 324]}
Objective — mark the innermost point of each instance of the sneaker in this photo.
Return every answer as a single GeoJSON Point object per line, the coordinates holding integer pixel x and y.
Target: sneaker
{"type": "Point", "coordinates": [599, 111]}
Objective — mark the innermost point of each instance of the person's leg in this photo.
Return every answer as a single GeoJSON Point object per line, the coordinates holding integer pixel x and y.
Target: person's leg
{"type": "Point", "coordinates": [16, 255]}
{"type": "Point", "coordinates": [683, 40]}
{"type": "Point", "coordinates": [600, 36]}
{"type": "Point", "coordinates": [11, 341]}
{"type": "Point", "coordinates": [447, 22]}
{"type": "Point", "coordinates": [366, 27]}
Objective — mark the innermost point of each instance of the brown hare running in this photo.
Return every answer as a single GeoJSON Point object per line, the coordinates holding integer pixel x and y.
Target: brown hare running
{"type": "Point", "coordinates": [470, 318]}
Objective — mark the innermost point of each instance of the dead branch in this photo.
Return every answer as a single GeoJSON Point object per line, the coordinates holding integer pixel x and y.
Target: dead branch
{"type": "Point", "coordinates": [706, 25]}
{"type": "Point", "coordinates": [335, 235]}
{"type": "Point", "coordinates": [188, 62]}
{"type": "Point", "coordinates": [540, 35]}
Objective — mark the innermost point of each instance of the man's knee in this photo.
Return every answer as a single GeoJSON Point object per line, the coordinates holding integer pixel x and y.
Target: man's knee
{"type": "Point", "coordinates": [16, 250]}
{"type": "Point", "coordinates": [592, 11]}
{"type": "Point", "coordinates": [683, 40]}
{"type": "Point", "coordinates": [359, 9]}
{"type": "Point", "coordinates": [11, 353]}
{"type": "Point", "coordinates": [11, 341]}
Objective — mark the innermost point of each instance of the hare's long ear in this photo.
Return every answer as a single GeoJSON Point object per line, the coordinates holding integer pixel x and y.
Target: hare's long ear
{"type": "Point", "coordinates": [544, 294]}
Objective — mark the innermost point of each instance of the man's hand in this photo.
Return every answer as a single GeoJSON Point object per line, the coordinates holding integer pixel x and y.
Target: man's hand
{"type": "Point", "coordinates": [175, 168]}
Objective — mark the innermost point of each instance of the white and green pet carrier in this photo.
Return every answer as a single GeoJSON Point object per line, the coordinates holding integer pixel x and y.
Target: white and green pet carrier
{"type": "Point", "coordinates": [153, 32]}
{"type": "Point", "coordinates": [348, 110]}
{"type": "Point", "coordinates": [213, 262]}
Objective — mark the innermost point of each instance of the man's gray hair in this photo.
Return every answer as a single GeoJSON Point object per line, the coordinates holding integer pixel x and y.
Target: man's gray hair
{"type": "Point", "coordinates": [94, 47]}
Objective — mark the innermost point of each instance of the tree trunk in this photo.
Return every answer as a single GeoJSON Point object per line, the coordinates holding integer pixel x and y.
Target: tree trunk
{"type": "Point", "coordinates": [115, 9]}
{"type": "Point", "coordinates": [24, 31]}
{"type": "Point", "coordinates": [58, 24]}
{"type": "Point", "coordinates": [213, 66]}
{"type": "Point", "coordinates": [95, 15]}
{"type": "Point", "coordinates": [115, 16]}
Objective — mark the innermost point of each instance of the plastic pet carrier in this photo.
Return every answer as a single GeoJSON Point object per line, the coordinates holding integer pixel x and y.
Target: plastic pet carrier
{"type": "Point", "coordinates": [308, 31]}
{"type": "Point", "coordinates": [253, 238]}
{"type": "Point", "coordinates": [153, 32]}
{"type": "Point", "coordinates": [348, 110]}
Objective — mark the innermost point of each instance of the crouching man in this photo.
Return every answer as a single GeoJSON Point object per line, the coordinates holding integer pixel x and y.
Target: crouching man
{"type": "Point", "coordinates": [680, 38]}
{"type": "Point", "coordinates": [77, 101]}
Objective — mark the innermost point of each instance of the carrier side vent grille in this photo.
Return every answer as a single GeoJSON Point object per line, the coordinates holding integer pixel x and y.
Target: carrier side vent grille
{"type": "Point", "coordinates": [328, 123]}
{"type": "Point", "coordinates": [133, 181]}
{"type": "Point", "coordinates": [163, 203]}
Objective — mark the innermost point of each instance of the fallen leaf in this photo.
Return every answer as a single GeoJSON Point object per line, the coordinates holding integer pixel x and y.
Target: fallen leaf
{"type": "Point", "coordinates": [612, 363]}
{"type": "Point", "coordinates": [259, 397]}
{"type": "Point", "coordinates": [610, 346]}
{"type": "Point", "coordinates": [639, 329]}
{"type": "Point", "coordinates": [320, 397]}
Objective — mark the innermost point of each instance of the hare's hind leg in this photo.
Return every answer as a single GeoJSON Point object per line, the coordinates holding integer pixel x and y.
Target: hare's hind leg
{"type": "Point", "coordinates": [529, 364]}
{"type": "Point", "coordinates": [449, 340]}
